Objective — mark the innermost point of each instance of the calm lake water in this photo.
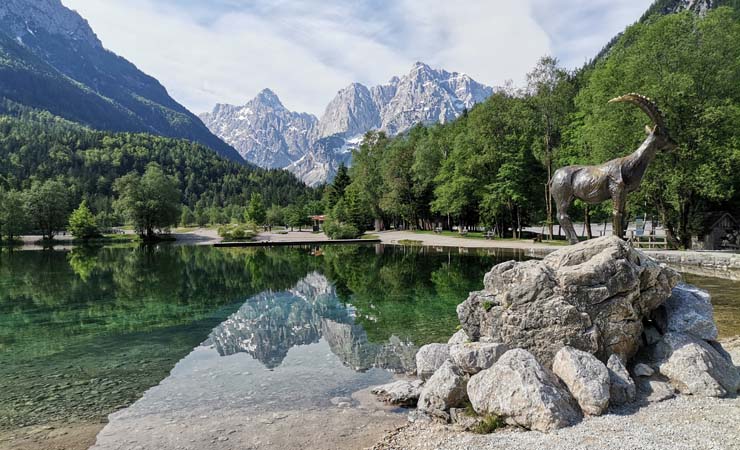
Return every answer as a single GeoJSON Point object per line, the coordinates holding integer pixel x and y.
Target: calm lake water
{"type": "Point", "coordinates": [86, 332]}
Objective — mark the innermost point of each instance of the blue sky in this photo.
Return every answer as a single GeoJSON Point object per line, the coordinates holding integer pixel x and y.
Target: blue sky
{"type": "Point", "coordinates": [225, 51]}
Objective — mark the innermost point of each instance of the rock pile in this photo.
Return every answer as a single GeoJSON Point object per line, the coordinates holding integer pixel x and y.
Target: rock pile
{"type": "Point", "coordinates": [548, 342]}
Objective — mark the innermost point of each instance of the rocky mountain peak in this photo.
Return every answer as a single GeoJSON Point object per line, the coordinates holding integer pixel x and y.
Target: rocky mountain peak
{"type": "Point", "coordinates": [263, 131]}
{"type": "Point", "coordinates": [268, 98]}
{"type": "Point", "coordinates": [350, 113]}
{"type": "Point", "coordinates": [25, 19]}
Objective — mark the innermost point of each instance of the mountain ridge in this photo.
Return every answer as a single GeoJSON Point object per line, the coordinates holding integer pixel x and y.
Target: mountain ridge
{"type": "Point", "coordinates": [424, 95]}
{"type": "Point", "coordinates": [51, 59]}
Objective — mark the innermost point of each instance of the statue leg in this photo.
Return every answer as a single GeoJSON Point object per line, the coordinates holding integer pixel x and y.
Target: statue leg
{"type": "Point", "coordinates": [619, 199]}
{"type": "Point", "coordinates": [567, 224]}
{"type": "Point", "coordinates": [563, 206]}
{"type": "Point", "coordinates": [562, 193]}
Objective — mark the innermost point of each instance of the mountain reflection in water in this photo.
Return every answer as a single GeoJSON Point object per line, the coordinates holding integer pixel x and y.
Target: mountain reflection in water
{"type": "Point", "coordinates": [269, 324]}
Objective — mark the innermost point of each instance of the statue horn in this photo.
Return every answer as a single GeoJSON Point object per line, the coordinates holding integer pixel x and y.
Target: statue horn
{"type": "Point", "coordinates": [646, 105]}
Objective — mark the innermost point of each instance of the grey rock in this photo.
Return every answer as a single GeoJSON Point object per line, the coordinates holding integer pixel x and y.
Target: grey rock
{"type": "Point", "coordinates": [401, 393]}
{"type": "Point", "coordinates": [337, 400]}
{"type": "Point", "coordinates": [523, 392]}
{"type": "Point", "coordinates": [473, 357]}
{"type": "Point", "coordinates": [654, 389]}
{"type": "Point", "coordinates": [429, 358]}
{"type": "Point", "coordinates": [591, 296]}
{"type": "Point", "coordinates": [695, 367]}
{"type": "Point", "coordinates": [415, 416]}
{"type": "Point", "coordinates": [642, 370]}
{"type": "Point", "coordinates": [447, 388]}
{"type": "Point", "coordinates": [460, 337]}
{"type": "Point", "coordinates": [587, 379]}
{"type": "Point", "coordinates": [652, 335]}
{"type": "Point", "coordinates": [622, 388]}
{"type": "Point", "coordinates": [729, 349]}
{"type": "Point", "coordinates": [688, 310]}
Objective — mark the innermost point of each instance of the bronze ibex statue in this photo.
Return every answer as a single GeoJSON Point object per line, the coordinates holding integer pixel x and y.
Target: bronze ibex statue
{"type": "Point", "coordinates": [614, 179]}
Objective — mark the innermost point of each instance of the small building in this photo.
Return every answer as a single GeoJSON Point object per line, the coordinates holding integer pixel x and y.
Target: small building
{"type": "Point", "coordinates": [318, 222]}
{"type": "Point", "coordinates": [720, 231]}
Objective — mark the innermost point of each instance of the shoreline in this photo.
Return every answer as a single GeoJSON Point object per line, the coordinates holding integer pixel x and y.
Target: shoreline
{"type": "Point", "coordinates": [708, 263]}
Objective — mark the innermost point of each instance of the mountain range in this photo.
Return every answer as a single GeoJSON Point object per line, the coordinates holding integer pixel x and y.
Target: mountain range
{"type": "Point", "coordinates": [267, 134]}
{"type": "Point", "coordinates": [50, 59]}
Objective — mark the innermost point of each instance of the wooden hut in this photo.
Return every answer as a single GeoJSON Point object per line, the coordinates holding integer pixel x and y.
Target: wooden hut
{"type": "Point", "coordinates": [720, 231]}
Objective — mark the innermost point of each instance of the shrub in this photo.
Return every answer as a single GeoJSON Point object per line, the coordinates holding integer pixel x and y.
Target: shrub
{"type": "Point", "coordinates": [237, 232]}
{"type": "Point", "coordinates": [338, 230]}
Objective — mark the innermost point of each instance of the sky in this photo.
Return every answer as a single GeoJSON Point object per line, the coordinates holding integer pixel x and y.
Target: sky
{"type": "Point", "coordinates": [225, 51]}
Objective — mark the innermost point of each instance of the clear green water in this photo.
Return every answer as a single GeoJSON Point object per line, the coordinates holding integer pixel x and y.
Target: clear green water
{"type": "Point", "coordinates": [85, 332]}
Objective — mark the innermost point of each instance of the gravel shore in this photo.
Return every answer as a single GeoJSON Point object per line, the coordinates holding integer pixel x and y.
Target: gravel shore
{"type": "Point", "coordinates": [681, 423]}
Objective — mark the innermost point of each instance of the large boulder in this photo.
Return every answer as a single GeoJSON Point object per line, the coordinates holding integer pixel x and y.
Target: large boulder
{"type": "Point", "coordinates": [402, 392]}
{"type": "Point", "coordinates": [523, 392]}
{"type": "Point", "coordinates": [591, 296]}
{"type": "Point", "coordinates": [447, 388]}
{"type": "Point", "coordinates": [429, 358]}
{"type": "Point", "coordinates": [694, 367]}
{"type": "Point", "coordinates": [688, 310]}
{"type": "Point", "coordinates": [587, 379]}
{"type": "Point", "coordinates": [473, 357]}
{"type": "Point", "coordinates": [622, 388]}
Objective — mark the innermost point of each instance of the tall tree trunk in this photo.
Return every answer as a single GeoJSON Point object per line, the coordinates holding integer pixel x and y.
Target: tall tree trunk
{"type": "Point", "coordinates": [548, 197]}
{"type": "Point", "coordinates": [519, 220]}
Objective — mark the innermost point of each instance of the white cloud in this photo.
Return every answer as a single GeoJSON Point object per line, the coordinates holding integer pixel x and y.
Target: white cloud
{"type": "Point", "coordinates": [228, 50]}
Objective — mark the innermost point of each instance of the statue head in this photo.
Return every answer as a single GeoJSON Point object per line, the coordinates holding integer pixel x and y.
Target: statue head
{"type": "Point", "coordinates": [658, 130]}
{"type": "Point", "coordinates": [663, 140]}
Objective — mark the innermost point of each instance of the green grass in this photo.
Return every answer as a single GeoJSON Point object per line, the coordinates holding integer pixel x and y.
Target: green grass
{"type": "Point", "coordinates": [369, 236]}
{"type": "Point", "coordinates": [488, 424]}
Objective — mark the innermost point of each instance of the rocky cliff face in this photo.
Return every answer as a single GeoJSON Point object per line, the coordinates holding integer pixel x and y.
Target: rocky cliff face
{"type": "Point", "coordinates": [313, 149]}
{"type": "Point", "coordinates": [263, 131]}
{"type": "Point", "coordinates": [21, 19]}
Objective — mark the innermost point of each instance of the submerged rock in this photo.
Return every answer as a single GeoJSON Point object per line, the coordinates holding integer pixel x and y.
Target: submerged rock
{"type": "Point", "coordinates": [476, 356]}
{"type": "Point", "coordinates": [523, 392]}
{"type": "Point", "coordinates": [429, 358]}
{"type": "Point", "coordinates": [622, 388]}
{"type": "Point", "coordinates": [587, 379]}
{"type": "Point", "coordinates": [401, 393]}
{"type": "Point", "coordinates": [592, 296]}
{"type": "Point", "coordinates": [447, 388]}
{"type": "Point", "coordinates": [695, 367]}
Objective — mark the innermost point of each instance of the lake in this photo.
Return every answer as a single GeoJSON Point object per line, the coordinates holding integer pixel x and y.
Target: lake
{"type": "Point", "coordinates": [231, 340]}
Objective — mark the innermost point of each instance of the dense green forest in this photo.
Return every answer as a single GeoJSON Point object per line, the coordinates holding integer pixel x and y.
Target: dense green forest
{"type": "Point", "coordinates": [491, 166]}
{"type": "Point", "coordinates": [37, 148]}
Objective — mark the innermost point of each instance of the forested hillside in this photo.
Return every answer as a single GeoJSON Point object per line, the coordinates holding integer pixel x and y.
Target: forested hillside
{"type": "Point", "coordinates": [37, 147]}
{"type": "Point", "coordinates": [491, 166]}
{"type": "Point", "coordinates": [51, 59]}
